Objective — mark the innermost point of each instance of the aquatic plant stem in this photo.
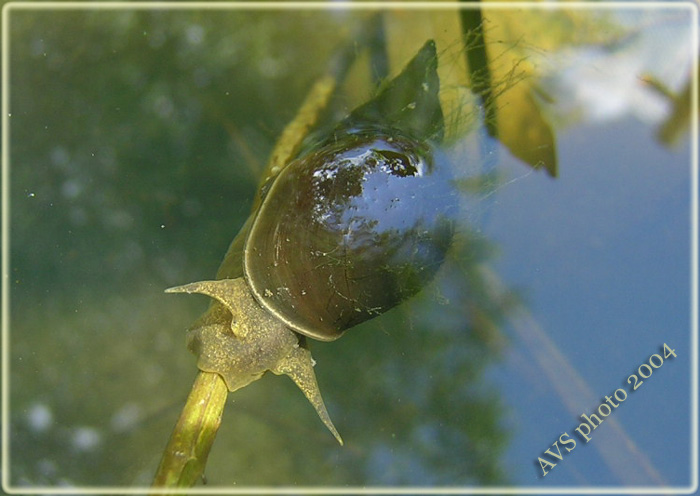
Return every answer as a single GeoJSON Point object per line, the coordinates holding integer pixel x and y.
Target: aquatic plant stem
{"type": "Point", "coordinates": [186, 454]}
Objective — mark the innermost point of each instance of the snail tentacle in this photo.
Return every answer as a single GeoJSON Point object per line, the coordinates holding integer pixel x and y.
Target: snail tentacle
{"type": "Point", "coordinates": [225, 291]}
{"type": "Point", "coordinates": [298, 365]}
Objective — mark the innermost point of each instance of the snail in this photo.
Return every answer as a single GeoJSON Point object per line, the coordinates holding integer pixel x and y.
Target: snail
{"type": "Point", "coordinates": [353, 226]}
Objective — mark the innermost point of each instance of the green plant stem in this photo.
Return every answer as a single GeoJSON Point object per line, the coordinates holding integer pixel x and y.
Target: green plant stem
{"type": "Point", "coordinates": [186, 454]}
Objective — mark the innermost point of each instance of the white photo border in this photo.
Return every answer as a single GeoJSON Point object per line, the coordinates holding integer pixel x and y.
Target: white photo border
{"type": "Point", "coordinates": [9, 8]}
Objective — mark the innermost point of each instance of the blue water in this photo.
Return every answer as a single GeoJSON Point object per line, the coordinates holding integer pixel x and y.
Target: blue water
{"type": "Point", "coordinates": [603, 253]}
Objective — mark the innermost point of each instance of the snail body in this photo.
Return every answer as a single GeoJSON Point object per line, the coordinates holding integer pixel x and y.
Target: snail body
{"type": "Point", "coordinates": [346, 231]}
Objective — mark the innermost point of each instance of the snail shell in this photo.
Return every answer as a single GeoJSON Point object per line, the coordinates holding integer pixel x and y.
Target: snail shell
{"type": "Point", "coordinates": [349, 231]}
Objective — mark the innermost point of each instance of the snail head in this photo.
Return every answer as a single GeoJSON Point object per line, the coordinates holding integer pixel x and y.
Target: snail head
{"type": "Point", "coordinates": [239, 340]}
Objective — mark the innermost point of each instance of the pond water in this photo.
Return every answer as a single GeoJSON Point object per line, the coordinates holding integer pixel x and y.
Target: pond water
{"type": "Point", "coordinates": [137, 139]}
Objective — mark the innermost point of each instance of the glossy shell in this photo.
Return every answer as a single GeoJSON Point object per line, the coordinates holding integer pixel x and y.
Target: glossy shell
{"type": "Point", "coordinates": [349, 231]}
